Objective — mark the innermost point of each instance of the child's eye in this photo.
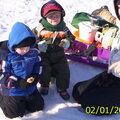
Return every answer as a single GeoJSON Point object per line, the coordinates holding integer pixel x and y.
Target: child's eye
{"type": "Point", "coordinates": [54, 16]}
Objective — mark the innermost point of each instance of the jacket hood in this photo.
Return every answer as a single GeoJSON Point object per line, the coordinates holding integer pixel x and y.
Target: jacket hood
{"type": "Point", "coordinates": [116, 9]}
{"type": "Point", "coordinates": [19, 32]}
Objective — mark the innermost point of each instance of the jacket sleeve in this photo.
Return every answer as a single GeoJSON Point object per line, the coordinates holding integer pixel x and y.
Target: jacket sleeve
{"type": "Point", "coordinates": [69, 36]}
{"type": "Point", "coordinates": [115, 53]}
{"type": "Point", "coordinates": [6, 66]}
{"type": "Point", "coordinates": [8, 79]}
{"type": "Point", "coordinates": [37, 30]}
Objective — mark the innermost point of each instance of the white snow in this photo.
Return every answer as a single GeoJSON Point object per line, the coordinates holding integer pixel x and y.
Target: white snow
{"type": "Point", "coordinates": [28, 12]}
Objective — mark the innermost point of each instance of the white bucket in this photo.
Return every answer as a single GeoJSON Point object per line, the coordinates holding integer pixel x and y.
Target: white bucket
{"type": "Point", "coordinates": [87, 31]}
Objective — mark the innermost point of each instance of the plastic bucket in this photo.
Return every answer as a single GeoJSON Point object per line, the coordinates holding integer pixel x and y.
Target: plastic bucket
{"type": "Point", "coordinates": [87, 31]}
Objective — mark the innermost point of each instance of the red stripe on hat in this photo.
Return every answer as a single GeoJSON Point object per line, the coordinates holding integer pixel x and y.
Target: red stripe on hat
{"type": "Point", "coordinates": [51, 7]}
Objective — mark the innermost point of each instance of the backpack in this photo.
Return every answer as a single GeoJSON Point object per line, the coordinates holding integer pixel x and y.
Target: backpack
{"type": "Point", "coordinates": [94, 37]}
{"type": "Point", "coordinates": [105, 14]}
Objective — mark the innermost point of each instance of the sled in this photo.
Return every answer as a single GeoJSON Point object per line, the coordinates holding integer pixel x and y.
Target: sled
{"type": "Point", "coordinates": [99, 56]}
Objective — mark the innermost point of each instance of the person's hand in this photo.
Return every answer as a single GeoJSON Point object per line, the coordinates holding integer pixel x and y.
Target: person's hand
{"type": "Point", "coordinates": [42, 46]}
{"type": "Point", "coordinates": [116, 67]}
{"type": "Point", "coordinates": [64, 43]}
{"type": "Point", "coordinates": [30, 80]}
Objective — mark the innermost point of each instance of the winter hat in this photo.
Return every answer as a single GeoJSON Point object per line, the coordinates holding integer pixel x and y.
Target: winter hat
{"type": "Point", "coordinates": [51, 6]}
{"type": "Point", "coordinates": [26, 42]}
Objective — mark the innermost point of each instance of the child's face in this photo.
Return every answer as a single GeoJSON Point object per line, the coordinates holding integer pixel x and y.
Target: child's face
{"type": "Point", "coordinates": [22, 50]}
{"type": "Point", "coordinates": [54, 18]}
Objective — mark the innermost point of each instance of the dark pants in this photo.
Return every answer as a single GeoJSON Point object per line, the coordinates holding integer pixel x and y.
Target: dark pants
{"type": "Point", "coordinates": [15, 106]}
{"type": "Point", "coordinates": [102, 91]}
{"type": "Point", "coordinates": [59, 70]}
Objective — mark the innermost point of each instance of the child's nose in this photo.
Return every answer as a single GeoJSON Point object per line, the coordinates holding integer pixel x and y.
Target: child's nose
{"type": "Point", "coordinates": [24, 51]}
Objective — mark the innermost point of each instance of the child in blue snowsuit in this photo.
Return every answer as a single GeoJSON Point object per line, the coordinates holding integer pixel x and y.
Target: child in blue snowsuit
{"type": "Point", "coordinates": [20, 74]}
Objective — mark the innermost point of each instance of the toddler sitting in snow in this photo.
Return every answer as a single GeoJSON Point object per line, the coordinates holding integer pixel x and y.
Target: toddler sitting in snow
{"type": "Point", "coordinates": [53, 38]}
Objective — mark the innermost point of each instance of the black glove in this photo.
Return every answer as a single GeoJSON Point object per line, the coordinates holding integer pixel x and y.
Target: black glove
{"type": "Point", "coordinates": [24, 84]}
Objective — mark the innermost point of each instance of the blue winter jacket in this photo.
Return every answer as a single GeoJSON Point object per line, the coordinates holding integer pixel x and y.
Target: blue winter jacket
{"type": "Point", "coordinates": [20, 66]}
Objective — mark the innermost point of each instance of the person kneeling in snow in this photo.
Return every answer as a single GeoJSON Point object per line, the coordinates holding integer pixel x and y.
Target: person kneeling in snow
{"type": "Point", "coordinates": [20, 74]}
{"type": "Point", "coordinates": [100, 95]}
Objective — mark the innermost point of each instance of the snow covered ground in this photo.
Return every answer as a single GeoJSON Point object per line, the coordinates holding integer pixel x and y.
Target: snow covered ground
{"type": "Point", "coordinates": [28, 12]}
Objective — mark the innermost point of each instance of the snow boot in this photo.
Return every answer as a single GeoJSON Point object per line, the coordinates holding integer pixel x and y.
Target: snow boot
{"type": "Point", "coordinates": [44, 89]}
{"type": "Point", "coordinates": [64, 94]}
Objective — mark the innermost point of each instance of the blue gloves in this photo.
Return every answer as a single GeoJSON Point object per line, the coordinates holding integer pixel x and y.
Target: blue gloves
{"type": "Point", "coordinates": [42, 46]}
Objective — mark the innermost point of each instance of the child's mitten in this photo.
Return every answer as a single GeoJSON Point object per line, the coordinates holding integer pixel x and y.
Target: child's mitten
{"type": "Point", "coordinates": [65, 44]}
{"type": "Point", "coordinates": [42, 46]}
